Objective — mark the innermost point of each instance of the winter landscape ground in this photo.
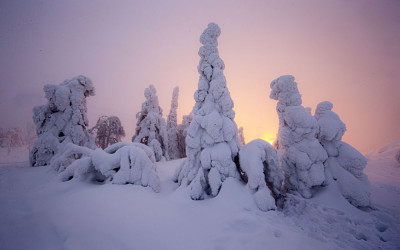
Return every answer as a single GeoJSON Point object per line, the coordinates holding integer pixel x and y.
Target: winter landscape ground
{"type": "Point", "coordinates": [38, 211]}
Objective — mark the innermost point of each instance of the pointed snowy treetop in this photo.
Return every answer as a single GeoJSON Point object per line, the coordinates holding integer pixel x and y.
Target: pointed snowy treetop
{"type": "Point", "coordinates": [284, 89]}
{"type": "Point", "coordinates": [210, 35]}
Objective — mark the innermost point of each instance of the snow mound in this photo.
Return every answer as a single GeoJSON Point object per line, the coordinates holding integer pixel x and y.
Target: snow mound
{"type": "Point", "coordinates": [259, 161]}
{"type": "Point", "coordinates": [122, 163]}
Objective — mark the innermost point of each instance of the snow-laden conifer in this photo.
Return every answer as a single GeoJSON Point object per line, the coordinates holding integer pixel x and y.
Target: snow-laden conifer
{"type": "Point", "coordinates": [299, 152]}
{"type": "Point", "coordinates": [172, 127]}
{"type": "Point", "coordinates": [211, 141]}
{"type": "Point", "coordinates": [150, 126]}
{"type": "Point", "coordinates": [345, 164]}
{"type": "Point", "coordinates": [62, 119]}
{"type": "Point", "coordinates": [182, 132]}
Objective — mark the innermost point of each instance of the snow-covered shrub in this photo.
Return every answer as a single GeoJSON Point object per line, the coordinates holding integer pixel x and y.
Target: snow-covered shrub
{"type": "Point", "coordinates": [258, 159]}
{"type": "Point", "coordinates": [299, 152]}
{"type": "Point", "coordinates": [121, 163]}
{"type": "Point", "coordinates": [150, 126]}
{"type": "Point", "coordinates": [345, 163]}
{"type": "Point", "coordinates": [62, 119]}
{"type": "Point", "coordinates": [182, 132]}
{"type": "Point", "coordinates": [242, 141]}
{"type": "Point", "coordinates": [172, 127]}
{"type": "Point", "coordinates": [211, 141]}
{"type": "Point", "coordinates": [108, 130]}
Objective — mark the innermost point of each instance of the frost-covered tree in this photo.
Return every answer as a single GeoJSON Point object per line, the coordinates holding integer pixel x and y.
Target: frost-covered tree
{"type": "Point", "coordinates": [299, 152]}
{"type": "Point", "coordinates": [242, 141]}
{"type": "Point", "coordinates": [120, 163]}
{"type": "Point", "coordinates": [30, 135]}
{"type": "Point", "coordinates": [108, 130]}
{"type": "Point", "coordinates": [14, 138]}
{"type": "Point", "coordinates": [345, 164]}
{"type": "Point", "coordinates": [150, 126]}
{"type": "Point", "coordinates": [62, 119]}
{"type": "Point", "coordinates": [211, 141]}
{"type": "Point", "coordinates": [172, 127]}
{"type": "Point", "coordinates": [258, 159]}
{"type": "Point", "coordinates": [182, 132]}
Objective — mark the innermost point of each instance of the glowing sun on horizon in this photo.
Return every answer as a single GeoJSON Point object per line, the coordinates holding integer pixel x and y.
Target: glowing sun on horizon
{"type": "Point", "coordinates": [270, 139]}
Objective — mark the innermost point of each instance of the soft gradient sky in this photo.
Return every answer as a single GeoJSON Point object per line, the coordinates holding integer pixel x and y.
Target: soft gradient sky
{"type": "Point", "coordinates": [347, 52]}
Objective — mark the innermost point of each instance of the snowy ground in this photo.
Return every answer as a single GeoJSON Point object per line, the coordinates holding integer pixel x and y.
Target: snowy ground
{"type": "Point", "coordinates": [37, 211]}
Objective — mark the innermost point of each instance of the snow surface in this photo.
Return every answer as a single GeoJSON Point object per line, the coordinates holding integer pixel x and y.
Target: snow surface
{"type": "Point", "coordinates": [37, 211]}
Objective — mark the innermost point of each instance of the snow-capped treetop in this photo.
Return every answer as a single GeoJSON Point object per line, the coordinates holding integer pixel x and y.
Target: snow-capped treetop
{"type": "Point", "coordinates": [210, 35]}
{"type": "Point", "coordinates": [330, 126]}
{"type": "Point", "coordinates": [284, 90]}
{"type": "Point", "coordinates": [172, 127]}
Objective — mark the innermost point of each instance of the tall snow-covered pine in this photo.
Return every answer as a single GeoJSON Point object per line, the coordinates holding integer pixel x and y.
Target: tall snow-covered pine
{"type": "Point", "coordinates": [172, 127]}
{"type": "Point", "coordinates": [212, 137]}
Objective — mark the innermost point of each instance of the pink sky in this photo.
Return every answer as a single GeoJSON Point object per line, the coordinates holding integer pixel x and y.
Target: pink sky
{"type": "Point", "coordinates": [346, 52]}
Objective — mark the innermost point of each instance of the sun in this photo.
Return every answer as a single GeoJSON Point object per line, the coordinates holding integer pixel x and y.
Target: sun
{"type": "Point", "coordinates": [269, 138]}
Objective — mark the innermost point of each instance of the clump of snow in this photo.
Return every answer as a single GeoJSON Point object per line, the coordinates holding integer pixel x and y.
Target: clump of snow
{"type": "Point", "coordinates": [172, 127]}
{"type": "Point", "coordinates": [258, 159]}
{"type": "Point", "coordinates": [121, 163]}
{"type": "Point", "coordinates": [345, 164]}
{"type": "Point", "coordinates": [150, 126]}
{"type": "Point", "coordinates": [299, 152]}
{"type": "Point", "coordinates": [212, 137]}
{"type": "Point", "coordinates": [62, 119]}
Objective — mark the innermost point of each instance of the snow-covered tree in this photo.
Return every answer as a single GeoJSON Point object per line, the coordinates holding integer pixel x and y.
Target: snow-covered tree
{"type": "Point", "coordinates": [172, 127]}
{"type": "Point", "coordinates": [182, 132]}
{"type": "Point", "coordinates": [259, 161]}
{"type": "Point", "coordinates": [299, 152]}
{"type": "Point", "coordinates": [345, 164]}
{"type": "Point", "coordinates": [211, 141]}
{"type": "Point", "coordinates": [108, 130]}
{"type": "Point", "coordinates": [150, 126]}
{"type": "Point", "coordinates": [242, 141]}
{"type": "Point", "coordinates": [120, 163]}
{"type": "Point", "coordinates": [62, 119]}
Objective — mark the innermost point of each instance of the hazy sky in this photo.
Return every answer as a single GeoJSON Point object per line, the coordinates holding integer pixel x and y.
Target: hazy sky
{"type": "Point", "coordinates": [346, 52]}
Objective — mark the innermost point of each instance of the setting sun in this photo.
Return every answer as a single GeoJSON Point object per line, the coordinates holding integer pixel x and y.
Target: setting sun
{"type": "Point", "coordinates": [269, 138]}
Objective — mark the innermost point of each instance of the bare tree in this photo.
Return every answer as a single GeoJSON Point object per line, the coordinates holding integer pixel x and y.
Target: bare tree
{"type": "Point", "coordinates": [107, 131]}
{"type": "Point", "coordinates": [14, 138]}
